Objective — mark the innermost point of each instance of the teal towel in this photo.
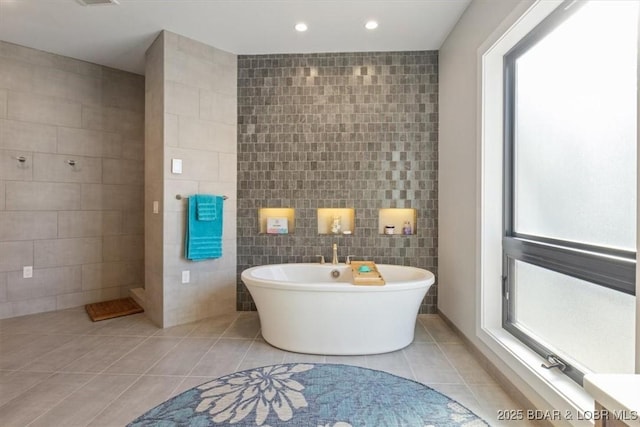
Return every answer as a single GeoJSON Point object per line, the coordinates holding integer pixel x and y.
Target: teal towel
{"type": "Point", "coordinates": [203, 239]}
{"type": "Point", "coordinates": [206, 207]}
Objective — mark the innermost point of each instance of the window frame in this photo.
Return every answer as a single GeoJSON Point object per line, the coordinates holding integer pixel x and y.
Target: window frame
{"type": "Point", "coordinates": [609, 267]}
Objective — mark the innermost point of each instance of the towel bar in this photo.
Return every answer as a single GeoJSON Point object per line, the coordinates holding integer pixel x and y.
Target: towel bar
{"type": "Point", "coordinates": [180, 197]}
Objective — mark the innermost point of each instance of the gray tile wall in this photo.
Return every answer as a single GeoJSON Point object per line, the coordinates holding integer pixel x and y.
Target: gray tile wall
{"type": "Point", "coordinates": [357, 130]}
{"type": "Point", "coordinates": [81, 228]}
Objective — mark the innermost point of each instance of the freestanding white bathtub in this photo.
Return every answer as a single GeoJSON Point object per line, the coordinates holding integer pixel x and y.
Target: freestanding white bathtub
{"type": "Point", "coordinates": [302, 308]}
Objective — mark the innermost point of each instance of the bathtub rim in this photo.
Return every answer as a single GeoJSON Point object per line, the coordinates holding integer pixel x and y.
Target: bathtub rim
{"type": "Point", "coordinates": [329, 286]}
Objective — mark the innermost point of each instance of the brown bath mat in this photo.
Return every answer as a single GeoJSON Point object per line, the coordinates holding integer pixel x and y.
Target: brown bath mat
{"type": "Point", "coordinates": [110, 309]}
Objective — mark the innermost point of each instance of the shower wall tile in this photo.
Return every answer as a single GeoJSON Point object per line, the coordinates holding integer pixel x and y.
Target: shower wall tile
{"type": "Point", "coordinates": [122, 90]}
{"type": "Point", "coordinates": [89, 223]}
{"type": "Point", "coordinates": [28, 225]}
{"type": "Point", "coordinates": [59, 252]}
{"type": "Point", "coordinates": [84, 142]}
{"type": "Point", "coordinates": [28, 107]}
{"type": "Point", "coordinates": [112, 274]}
{"type": "Point", "coordinates": [129, 123]}
{"type": "Point", "coordinates": [3, 103]}
{"type": "Point", "coordinates": [15, 255]}
{"type": "Point", "coordinates": [3, 287]}
{"type": "Point", "coordinates": [45, 282]}
{"type": "Point", "coordinates": [70, 86]}
{"type": "Point", "coordinates": [53, 216]}
{"type": "Point", "coordinates": [75, 299]}
{"type": "Point", "coordinates": [121, 171]}
{"type": "Point", "coordinates": [15, 135]}
{"type": "Point", "coordinates": [16, 75]}
{"type": "Point", "coordinates": [32, 305]}
{"type": "Point", "coordinates": [112, 197]}
{"type": "Point", "coordinates": [133, 150]}
{"type": "Point", "coordinates": [12, 169]}
{"type": "Point", "coordinates": [123, 248]}
{"type": "Point", "coordinates": [132, 223]}
{"type": "Point", "coordinates": [338, 130]}
{"type": "Point", "coordinates": [54, 168]}
{"type": "Point", "coordinates": [38, 196]}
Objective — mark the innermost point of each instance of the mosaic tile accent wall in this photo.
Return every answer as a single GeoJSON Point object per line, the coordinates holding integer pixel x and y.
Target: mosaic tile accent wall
{"type": "Point", "coordinates": [338, 130]}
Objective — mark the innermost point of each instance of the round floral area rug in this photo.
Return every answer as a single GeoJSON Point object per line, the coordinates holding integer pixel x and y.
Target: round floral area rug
{"type": "Point", "coordinates": [310, 395]}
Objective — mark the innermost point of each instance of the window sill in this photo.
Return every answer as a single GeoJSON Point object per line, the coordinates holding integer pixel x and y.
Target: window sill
{"type": "Point", "coordinates": [559, 391]}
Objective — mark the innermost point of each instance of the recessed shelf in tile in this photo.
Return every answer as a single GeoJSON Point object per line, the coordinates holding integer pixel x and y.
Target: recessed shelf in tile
{"type": "Point", "coordinates": [327, 218]}
{"type": "Point", "coordinates": [397, 217]}
{"type": "Point", "coordinates": [277, 217]}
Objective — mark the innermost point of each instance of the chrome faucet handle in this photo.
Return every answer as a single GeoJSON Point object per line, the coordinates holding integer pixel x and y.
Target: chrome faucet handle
{"type": "Point", "coordinates": [321, 258]}
{"type": "Point", "coordinates": [348, 260]}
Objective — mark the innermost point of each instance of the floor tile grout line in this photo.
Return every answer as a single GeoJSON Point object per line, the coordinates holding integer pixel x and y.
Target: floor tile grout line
{"type": "Point", "coordinates": [32, 386]}
{"type": "Point", "coordinates": [462, 377]}
{"type": "Point", "coordinates": [93, 376]}
{"type": "Point", "coordinates": [62, 399]}
{"type": "Point", "coordinates": [103, 372]}
{"type": "Point", "coordinates": [147, 375]}
{"type": "Point", "coordinates": [255, 345]}
{"type": "Point", "coordinates": [217, 340]}
{"type": "Point", "coordinates": [133, 382]}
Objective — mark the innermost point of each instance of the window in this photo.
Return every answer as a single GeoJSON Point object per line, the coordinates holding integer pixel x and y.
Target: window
{"type": "Point", "coordinates": [570, 187]}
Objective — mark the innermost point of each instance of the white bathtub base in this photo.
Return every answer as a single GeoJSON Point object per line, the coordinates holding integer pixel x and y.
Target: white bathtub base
{"type": "Point", "coordinates": [338, 318]}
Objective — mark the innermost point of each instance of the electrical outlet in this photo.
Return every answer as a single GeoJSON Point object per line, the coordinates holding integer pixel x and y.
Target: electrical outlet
{"type": "Point", "coordinates": [27, 272]}
{"type": "Point", "coordinates": [185, 276]}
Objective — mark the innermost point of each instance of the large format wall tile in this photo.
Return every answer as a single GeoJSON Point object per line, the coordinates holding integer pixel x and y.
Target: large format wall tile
{"type": "Point", "coordinates": [53, 215]}
{"type": "Point", "coordinates": [57, 252]}
{"type": "Point", "coordinates": [197, 86]}
{"type": "Point", "coordinates": [28, 225]}
{"type": "Point", "coordinates": [27, 107]}
{"type": "Point", "coordinates": [27, 136]}
{"type": "Point", "coordinates": [38, 196]}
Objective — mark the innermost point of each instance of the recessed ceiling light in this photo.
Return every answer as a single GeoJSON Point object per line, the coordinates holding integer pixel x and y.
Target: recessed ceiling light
{"type": "Point", "coordinates": [301, 27]}
{"type": "Point", "coordinates": [371, 25]}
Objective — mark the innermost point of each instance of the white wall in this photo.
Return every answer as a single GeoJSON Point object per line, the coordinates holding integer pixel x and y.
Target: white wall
{"type": "Point", "coordinates": [482, 24]}
{"type": "Point", "coordinates": [459, 186]}
{"type": "Point", "coordinates": [458, 153]}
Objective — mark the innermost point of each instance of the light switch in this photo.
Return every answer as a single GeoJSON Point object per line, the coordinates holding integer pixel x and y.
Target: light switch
{"type": "Point", "coordinates": [156, 208]}
{"type": "Point", "coordinates": [176, 165]}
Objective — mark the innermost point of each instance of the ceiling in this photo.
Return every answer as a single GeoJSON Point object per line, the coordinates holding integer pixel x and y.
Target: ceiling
{"type": "Point", "coordinates": [118, 35]}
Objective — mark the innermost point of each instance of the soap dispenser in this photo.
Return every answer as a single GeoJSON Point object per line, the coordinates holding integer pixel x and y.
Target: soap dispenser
{"type": "Point", "coordinates": [406, 229]}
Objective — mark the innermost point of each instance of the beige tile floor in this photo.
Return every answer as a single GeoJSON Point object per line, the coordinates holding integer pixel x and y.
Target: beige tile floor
{"type": "Point", "coordinates": [61, 369]}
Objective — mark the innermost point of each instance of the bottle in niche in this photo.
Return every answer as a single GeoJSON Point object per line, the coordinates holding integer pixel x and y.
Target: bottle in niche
{"type": "Point", "coordinates": [336, 225]}
{"type": "Point", "coordinates": [406, 229]}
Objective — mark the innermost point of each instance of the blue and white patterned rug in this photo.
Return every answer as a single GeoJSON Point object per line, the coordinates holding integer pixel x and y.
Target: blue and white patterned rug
{"type": "Point", "coordinates": [310, 395]}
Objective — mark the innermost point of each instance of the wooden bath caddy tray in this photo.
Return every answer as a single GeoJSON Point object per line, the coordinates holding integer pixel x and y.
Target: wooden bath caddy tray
{"type": "Point", "coordinates": [372, 277]}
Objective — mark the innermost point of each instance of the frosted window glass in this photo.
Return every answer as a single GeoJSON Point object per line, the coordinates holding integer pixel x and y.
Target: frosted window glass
{"type": "Point", "coordinates": [589, 324]}
{"type": "Point", "coordinates": [575, 129]}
